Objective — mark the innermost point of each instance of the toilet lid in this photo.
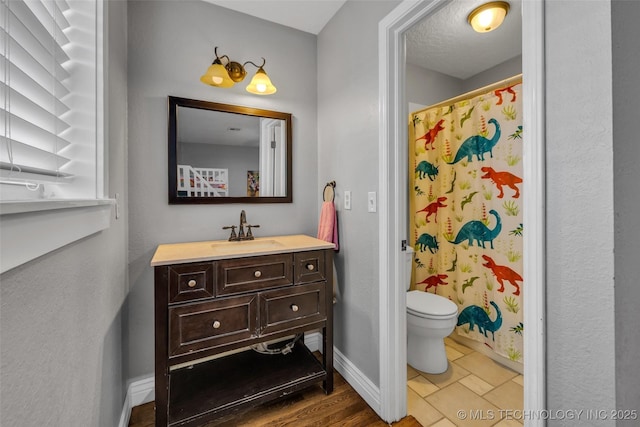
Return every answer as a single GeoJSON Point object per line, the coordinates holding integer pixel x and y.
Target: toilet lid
{"type": "Point", "coordinates": [427, 304]}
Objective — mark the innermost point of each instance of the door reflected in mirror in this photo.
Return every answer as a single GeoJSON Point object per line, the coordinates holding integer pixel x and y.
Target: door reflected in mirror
{"type": "Point", "coordinates": [220, 153]}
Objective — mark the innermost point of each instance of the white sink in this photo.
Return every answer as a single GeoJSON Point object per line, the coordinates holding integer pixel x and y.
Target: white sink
{"type": "Point", "coordinates": [247, 246]}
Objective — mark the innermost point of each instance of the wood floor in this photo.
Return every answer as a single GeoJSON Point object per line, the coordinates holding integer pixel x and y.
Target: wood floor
{"type": "Point", "coordinates": [311, 407]}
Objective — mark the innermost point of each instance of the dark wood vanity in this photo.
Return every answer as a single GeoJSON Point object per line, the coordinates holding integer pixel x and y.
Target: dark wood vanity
{"type": "Point", "coordinates": [211, 305]}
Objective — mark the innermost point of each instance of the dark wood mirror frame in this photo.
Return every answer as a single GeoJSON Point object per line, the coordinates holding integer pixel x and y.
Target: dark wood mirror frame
{"type": "Point", "coordinates": [174, 103]}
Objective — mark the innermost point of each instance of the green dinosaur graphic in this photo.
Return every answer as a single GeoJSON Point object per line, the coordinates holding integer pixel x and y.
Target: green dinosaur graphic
{"type": "Point", "coordinates": [469, 282]}
{"type": "Point", "coordinates": [478, 145]}
{"type": "Point", "coordinates": [466, 116]}
{"type": "Point", "coordinates": [476, 230]}
{"type": "Point", "coordinates": [475, 315]}
{"type": "Point", "coordinates": [453, 183]}
{"type": "Point", "coordinates": [454, 263]}
{"type": "Point", "coordinates": [467, 200]}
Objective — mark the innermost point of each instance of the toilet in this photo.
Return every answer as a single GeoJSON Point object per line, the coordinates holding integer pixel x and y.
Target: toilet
{"type": "Point", "coordinates": [430, 318]}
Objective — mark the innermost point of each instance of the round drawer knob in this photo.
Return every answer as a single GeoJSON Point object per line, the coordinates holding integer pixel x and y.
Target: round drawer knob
{"type": "Point", "coordinates": [311, 267]}
{"type": "Point", "coordinates": [257, 273]}
{"type": "Point", "coordinates": [294, 307]}
{"type": "Point", "coordinates": [216, 324]}
{"type": "Point", "coordinates": [191, 283]}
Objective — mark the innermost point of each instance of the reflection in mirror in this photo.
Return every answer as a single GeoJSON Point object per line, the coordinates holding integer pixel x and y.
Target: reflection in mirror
{"type": "Point", "coordinates": [222, 153]}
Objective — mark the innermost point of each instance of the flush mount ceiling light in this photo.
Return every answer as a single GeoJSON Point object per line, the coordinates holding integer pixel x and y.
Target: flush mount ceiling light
{"type": "Point", "coordinates": [488, 16]}
{"type": "Point", "coordinates": [227, 74]}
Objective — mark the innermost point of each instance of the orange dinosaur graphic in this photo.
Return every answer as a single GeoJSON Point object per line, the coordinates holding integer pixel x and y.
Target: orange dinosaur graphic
{"type": "Point", "coordinates": [502, 272]}
{"type": "Point", "coordinates": [508, 89]}
{"type": "Point", "coordinates": [430, 136]}
{"type": "Point", "coordinates": [434, 281]}
{"type": "Point", "coordinates": [502, 178]}
{"type": "Point", "coordinates": [432, 208]}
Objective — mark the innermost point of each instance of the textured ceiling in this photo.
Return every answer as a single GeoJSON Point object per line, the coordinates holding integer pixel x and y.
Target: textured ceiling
{"type": "Point", "coordinates": [445, 42]}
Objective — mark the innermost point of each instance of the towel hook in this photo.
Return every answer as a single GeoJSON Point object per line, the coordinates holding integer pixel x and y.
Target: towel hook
{"type": "Point", "coordinates": [328, 195]}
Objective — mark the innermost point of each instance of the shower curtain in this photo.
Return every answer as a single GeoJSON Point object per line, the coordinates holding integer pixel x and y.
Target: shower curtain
{"type": "Point", "coordinates": [465, 163]}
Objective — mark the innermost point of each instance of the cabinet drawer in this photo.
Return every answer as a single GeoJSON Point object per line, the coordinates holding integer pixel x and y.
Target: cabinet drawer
{"type": "Point", "coordinates": [253, 274]}
{"type": "Point", "coordinates": [199, 326]}
{"type": "Point", "coordinates": [188, 282]}
{"type": "Point", "coordinates": [309, 266]}
{"type": "Point", "coordinates": [288, 308]}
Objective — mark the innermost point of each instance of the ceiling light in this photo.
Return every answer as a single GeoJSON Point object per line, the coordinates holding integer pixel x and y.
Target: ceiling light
{"type": "Point", "coordinates": [227, 74]}
{"type": "Point", "coordinates": [488, 16]}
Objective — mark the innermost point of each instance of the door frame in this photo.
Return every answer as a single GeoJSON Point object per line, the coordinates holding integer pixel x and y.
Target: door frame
{"type": "Point", "coordinates": [393, 184]}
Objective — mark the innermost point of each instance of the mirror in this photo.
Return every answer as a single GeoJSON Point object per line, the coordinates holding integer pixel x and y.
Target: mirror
{"type": "Point", "coordinates": [220, 153]}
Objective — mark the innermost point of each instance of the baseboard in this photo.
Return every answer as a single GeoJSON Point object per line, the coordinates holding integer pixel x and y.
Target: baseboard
{"type": "Point", "coordinates": [142, 390]}
{"type": "Point", "coordinates": [139, 392]}
{"type": "Point", "coordinates": [313, 341]}
{"type": "Point", "coordinates": [359, 381]}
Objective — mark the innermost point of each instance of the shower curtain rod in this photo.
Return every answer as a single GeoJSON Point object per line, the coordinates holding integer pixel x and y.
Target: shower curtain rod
{"type": "Point", "coordinates": [506, 82]}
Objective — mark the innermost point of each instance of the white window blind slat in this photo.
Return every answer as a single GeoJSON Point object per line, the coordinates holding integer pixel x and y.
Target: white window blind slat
{"type": "Point", "coordinates": [33, 90]}
{"type": "Point", "coordinates": [36, 19]}
{"type": "Point", "coordinates": [51, 57]}
{"type": "Point", "coordinates": [26, 132]}
{"type": "Point", "coordinates": [27, 156]}
{"type": "Point", "coordinates": [62, 5]}
{"type": "Point", "coordinates": [58, 20]}
{"type": "Point", "coordinates": [43, 116]}
{"type": "Point", "coordinates": [21, 59]}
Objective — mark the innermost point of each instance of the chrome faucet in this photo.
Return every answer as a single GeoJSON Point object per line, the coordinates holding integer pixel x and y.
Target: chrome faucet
{"type": "Point", "coordinates": [241, 235]}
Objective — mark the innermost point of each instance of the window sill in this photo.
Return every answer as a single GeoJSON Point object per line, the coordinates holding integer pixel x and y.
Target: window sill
{"type": "Point", "coordinates": [30, 229]}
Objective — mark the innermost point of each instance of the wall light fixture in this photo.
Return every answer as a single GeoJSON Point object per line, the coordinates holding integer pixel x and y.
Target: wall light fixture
{"type": "Point", "coordinates": [489, 16]}
{"type": "Point", "coordinates": [227, 74]}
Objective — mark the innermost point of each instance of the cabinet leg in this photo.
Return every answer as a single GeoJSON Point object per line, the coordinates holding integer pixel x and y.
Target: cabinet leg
{"type": "Point", "coordinates": [327, 360]}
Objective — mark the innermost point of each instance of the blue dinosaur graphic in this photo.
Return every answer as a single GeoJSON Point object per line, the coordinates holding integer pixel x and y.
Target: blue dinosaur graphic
{"type": "Point", "coordinates": [428, 169]}
{"type": "Point", "coordinates": [426, 240]}
{"type": "Point", "coordinates": [475, 315]}
{"type": "Point", "coordinates": [478, 145]}
{"type": "Point", "coordinates": [476, 230]}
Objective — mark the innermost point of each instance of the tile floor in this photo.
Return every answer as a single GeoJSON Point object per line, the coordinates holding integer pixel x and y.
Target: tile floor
{"type": "Point", "coordinates": [474, 391]}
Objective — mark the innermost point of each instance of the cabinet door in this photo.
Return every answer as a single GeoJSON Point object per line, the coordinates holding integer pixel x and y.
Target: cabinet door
{"type": "Point", "coordinates": [200, 326]}
{"type": "Point", "coordinates": [309, 266]}
{"type": "Point", "coordinates": [289, 308]}
{"type": "Point", "coordinates": [189, 282]}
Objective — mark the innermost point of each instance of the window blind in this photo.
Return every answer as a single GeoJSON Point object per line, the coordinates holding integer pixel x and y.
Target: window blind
{"type": "Point", "coordinates": [33, 75]}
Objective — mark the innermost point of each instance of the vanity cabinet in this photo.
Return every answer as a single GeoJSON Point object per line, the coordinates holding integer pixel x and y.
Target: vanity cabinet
{"type": "Point", "coordinates": [210, 312]}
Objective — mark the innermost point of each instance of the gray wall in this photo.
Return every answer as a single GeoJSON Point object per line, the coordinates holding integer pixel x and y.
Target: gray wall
{"type": "Point", "coordinates": [428, 87]}
{"type": "Point", "coordinates": [348, 112]}
{"type": "Point", "coordinates": [626, 154]}
{"type": "Point", "coordinates": [580, 234]}
{"type": "Point", "coordinates": [504, 70]}
{"type": "Point", "coordinates": [60, 318]}
{"type": "Point", "coordinates": [171, 45]}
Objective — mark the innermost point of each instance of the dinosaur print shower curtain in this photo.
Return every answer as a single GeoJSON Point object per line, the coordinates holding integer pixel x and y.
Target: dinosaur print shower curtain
{"type": "Point", "coordinates": [466, 212]}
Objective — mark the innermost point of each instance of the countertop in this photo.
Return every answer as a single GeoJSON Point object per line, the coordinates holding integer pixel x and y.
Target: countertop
{"type": "Point", "coordinates": [179, 253]}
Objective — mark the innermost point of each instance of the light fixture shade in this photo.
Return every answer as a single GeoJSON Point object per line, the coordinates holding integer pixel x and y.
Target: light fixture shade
{"type": "Point", "coordinates": [261, 84]}
{"type": "Point", "coordinates": [488, 16]}
{"type": "Point", "coordinates": [217, 76]}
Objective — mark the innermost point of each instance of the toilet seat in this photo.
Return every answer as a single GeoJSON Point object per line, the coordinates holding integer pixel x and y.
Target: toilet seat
{"type": "Point", "coordinates": [439, 307]}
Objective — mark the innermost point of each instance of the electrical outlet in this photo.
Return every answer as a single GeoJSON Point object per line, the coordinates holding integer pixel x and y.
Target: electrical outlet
{"type": "Point", "coordinates": [347, 200]}
{"type": "Point", "coordinates": [371, 201]}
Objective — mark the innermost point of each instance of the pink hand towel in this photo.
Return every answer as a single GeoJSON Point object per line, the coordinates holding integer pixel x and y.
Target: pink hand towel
{"type": "Point", "coordinates": [328, 225]}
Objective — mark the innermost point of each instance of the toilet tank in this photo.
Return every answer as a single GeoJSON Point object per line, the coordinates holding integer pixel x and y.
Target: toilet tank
{"type": "Point", "coordinates": [408, 266]}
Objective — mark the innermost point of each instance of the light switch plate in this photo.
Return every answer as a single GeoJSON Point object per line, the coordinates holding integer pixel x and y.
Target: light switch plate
{"type": "Point", "coordinates": [372, 201]}
{"type": "Point", "coordinates": [347, 200]}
